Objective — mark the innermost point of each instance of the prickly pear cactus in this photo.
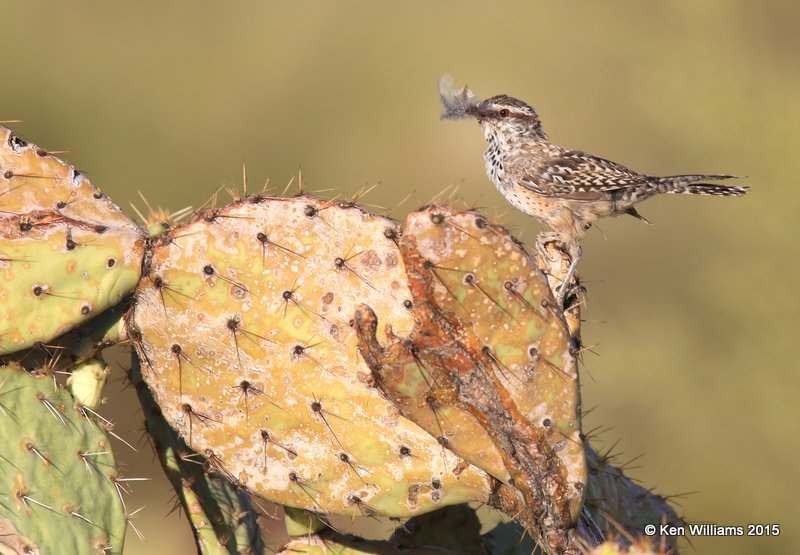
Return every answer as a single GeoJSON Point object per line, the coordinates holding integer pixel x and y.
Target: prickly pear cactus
{"type": "Point", "coordinates": [67, 253]}
{"type": "Point", "coordinates": [59, 487]}
{"type": "Point", "coordinates": [243, 325]}
{"type": "Point", "coordinates": [257, 325]}
{"type": "Point", "coordinates": [308, 352]}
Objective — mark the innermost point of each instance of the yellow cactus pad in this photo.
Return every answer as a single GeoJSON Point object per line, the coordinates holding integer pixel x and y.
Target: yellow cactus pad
{"type": "Point", "coordinates": [32, 180]}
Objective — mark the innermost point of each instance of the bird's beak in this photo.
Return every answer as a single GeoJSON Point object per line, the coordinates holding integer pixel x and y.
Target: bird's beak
{"type": "Point", "coordinates": [472, 110]}
{"type": "Point", "coordinates": [477, 110]}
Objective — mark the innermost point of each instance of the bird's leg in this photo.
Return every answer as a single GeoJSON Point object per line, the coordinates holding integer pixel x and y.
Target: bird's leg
{"type": "Point", "coordinates": [575, 253]}
{"type": "Point", "coordinates": [553, 265]}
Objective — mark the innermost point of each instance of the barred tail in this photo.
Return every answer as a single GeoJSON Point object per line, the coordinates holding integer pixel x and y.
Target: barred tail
{"type": "Point", "coordinates": [686, 184]}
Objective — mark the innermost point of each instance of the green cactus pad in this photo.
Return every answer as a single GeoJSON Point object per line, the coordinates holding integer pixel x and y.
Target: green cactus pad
{"type": "Point", "coordinates": [67, 253]}
{"type": "Point", "coordinates": [57, 474]}
{"type": "Point", "coordinates": [58, 274]}
{"type": "Point", "coordinates": [243, 325]}
{"type": "Point", "coordinates": [630, 505]}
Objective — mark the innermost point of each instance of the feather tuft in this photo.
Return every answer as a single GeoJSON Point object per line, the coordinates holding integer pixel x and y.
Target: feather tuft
{"type": "Point", "coordinates": [457, 102]}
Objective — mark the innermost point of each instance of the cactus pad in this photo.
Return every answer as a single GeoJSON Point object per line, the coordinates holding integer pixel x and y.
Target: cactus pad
{"type": "Point", "coordinates": [58, 476]}
{"type": "Point", "coordinates": [243, 326]}
{"type": "Point", "coordinates": [487, 345]}
{"type": "Point", "coordinates": [484, 276]}
{"type": "Point", "coordinates": [630, 505]}
{"type": "Point", "coordinates": [67, 252]}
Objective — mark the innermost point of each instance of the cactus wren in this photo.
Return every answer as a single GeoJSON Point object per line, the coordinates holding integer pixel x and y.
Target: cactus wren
{"type": "Point", "coordinates": [566, 189]}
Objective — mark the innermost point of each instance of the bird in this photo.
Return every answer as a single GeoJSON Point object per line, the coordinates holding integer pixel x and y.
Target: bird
{"type": "Point", "coordinates": [567, 190]}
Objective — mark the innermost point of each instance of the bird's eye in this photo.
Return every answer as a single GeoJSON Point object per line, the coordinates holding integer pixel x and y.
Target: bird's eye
{"type": "Point", "coordinates": [503, 113]}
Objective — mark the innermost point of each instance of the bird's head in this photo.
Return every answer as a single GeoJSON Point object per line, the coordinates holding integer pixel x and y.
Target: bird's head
{"type": "Point", "coordinates": [501, 116]}
{"type": "Point", "coordinates": [506, 115]}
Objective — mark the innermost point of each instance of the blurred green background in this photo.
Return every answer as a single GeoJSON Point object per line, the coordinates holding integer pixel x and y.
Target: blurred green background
{"type": "Point", "coordinates": [696, 369]}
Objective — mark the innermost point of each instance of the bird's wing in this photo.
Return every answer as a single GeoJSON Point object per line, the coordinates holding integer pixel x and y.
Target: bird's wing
{"type": "Point", "coordinates": [578, 175]}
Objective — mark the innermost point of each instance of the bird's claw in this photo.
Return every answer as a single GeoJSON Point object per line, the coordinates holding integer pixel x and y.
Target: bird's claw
{"type": "Point", "coordinates": [565, 291]}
